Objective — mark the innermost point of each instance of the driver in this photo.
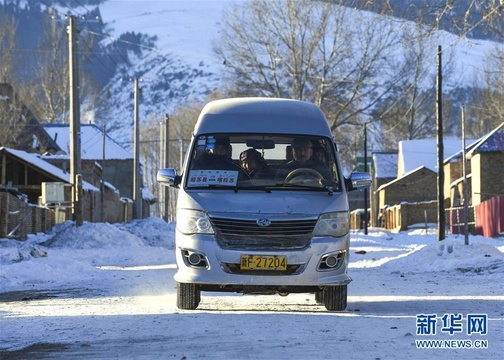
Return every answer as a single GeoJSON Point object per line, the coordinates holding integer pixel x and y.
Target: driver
{"type": "Point", "coordinates": [302, 151]}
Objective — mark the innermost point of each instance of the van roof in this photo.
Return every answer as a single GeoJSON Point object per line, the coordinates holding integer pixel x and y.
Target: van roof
{"type": "Point", "coordinates": [262, 115]}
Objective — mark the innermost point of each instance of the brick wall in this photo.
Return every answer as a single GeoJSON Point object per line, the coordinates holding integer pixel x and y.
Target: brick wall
{"type": "Point", "coordinates": [416, 187]}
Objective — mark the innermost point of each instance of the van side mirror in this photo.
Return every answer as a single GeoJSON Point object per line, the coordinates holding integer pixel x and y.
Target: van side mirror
{"type": "Point", "coordinates": [358, 180]}
{"type": "Point", "coordinates": [168, 177]}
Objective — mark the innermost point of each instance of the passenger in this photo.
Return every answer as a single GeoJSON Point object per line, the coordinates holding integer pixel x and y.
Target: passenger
{"type": "Point", "coordinates": [302, 151]}
{"type": "Point", "coordinates": [255, 165]}
{"type": "Point", "coordinates": [217, 157]}
{"type": "Point", "coordinates": [320, 155]}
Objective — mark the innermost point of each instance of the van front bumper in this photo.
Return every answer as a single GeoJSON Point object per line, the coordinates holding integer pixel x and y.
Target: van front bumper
{"type": "Point", "coordinates": [200, 260]}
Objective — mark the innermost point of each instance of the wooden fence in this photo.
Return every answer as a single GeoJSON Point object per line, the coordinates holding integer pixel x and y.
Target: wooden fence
{"type": "Point", "coordinates": [485, 219]}
{"type": "Point", "coordinates": [18, 218]}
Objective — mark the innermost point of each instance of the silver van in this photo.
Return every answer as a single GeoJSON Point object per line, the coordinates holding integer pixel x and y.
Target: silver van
{"type": "Point", "coordinates": [262, 204]}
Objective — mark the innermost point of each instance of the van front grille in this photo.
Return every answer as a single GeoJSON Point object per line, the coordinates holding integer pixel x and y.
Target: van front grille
{"type": "Point", "coordinates": [246, 233]}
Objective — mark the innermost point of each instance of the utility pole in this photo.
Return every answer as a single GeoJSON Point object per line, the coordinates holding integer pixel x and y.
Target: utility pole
{"type": "Point", "coordinates": [137, 197]}
{"type": "Point", "coordinates": [464, 184]}
{"type": "Point", "coordinates": [162, 144]}
{"type": "Point", "coordinates": [75, 155]}
{"type": "Point", "coordinates": [365, 190]}
{"type": "Point", "coordinates": [440, 149]}
{"type": "Point", "coordinates": [166, 165]}
{"type": "Point", "coordinates": [102, 183]}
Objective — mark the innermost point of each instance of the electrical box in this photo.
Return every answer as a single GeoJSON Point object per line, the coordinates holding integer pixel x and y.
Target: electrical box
{"type": "Point", "coordinates": [53, 192]}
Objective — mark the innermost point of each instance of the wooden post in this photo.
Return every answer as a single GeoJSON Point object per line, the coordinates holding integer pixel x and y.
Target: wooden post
{"type": "Point", "coordinates": [440, 150]}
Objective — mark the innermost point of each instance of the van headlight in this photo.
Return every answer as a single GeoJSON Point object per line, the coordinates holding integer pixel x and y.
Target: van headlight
{"type": "Point", "coordinates": [332, 224]}
{"type": "Point", "coordinates": [193, 222]}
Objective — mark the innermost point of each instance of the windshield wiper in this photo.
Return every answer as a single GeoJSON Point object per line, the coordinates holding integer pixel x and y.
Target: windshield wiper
{"type": "Point", "coordinates": [328, 188]}
{"type": "Point", "coordinates": [263, 188]}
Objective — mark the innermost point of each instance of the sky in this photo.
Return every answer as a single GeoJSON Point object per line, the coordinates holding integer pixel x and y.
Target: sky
{"type": "Point", "coordinates": [107, 291]}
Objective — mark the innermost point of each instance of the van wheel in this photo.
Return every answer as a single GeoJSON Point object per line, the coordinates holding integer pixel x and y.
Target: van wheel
{"type": "Point", "coordinates": [335, 298]}
{"type": "Point", "coordinates": [188, 296]}
{"type": "Point", "coordinates": [319, 296]}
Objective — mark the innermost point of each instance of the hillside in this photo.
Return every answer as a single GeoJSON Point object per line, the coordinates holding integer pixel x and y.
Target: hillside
{"type": "Point", "coordinates": [167, 45]}
{"type": "Point", "coordinates": [182, 67]}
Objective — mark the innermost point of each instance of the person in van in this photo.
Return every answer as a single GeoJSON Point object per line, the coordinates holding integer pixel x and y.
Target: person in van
{"type": "Point", "coordinates": [320, 155]}
{"type": "Point", "coordinates": [255, 165]}
{"type": "Point", "coordinates": [216, 156]}
{"type": "Point", "coordinates": [302, 152]}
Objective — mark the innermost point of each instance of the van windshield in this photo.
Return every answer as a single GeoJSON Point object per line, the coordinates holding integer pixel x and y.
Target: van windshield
{"type": "Point", "coordinates": [263, 161]}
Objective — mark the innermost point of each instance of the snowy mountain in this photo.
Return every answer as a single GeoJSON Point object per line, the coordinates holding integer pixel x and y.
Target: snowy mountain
{"type": "Point", "coordinates": [182, 67]}
{"type": "Point", "coordinates": [167, 46]}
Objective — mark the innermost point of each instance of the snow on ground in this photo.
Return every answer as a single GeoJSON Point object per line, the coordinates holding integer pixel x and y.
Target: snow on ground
{"type": "Point", "coordinates": [106, 291]}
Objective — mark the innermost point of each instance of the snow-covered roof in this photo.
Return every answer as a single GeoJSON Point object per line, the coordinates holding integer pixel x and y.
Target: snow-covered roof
{"type": "Point", "coordinates": [38, 162]}
{"type": "Point", "coordinates": [423, 152]}
{"type": "Point", "coordinates": [91, 142]}
{"type": "Point", "coordinates": [385, 164]}
{"type": "Point", "coordinates": [493, 141]}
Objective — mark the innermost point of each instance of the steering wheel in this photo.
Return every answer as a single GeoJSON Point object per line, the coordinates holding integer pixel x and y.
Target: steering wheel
{"type": "Point", "coordinates": [306, 172]}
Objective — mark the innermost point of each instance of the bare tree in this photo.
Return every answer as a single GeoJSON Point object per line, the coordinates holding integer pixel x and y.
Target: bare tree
{"type": "Point", "coordinates": [468, 15]}
{"type": "Point", "coordinates": [309, 50]}
{"type": "Point", "coordinates": [468, 18]}
{"type": "Point", "coordinates": [410, 113]}
{"type": "Point", "coordinates": [181, 124]}
{"type": "Point", "coordinates": [12, 113]}
{"type": "Point", "coordinates": [8, 45]}
{"type": "Point", "coordinates": [47, 91]}
{"type": "Point", "coordinates": [487, 111]}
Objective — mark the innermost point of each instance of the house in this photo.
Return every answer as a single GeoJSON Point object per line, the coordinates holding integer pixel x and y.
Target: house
{"type": "Point", "coordinates": [27, 171]}
{"type": "Point", "coordinates": [485, 185]}
{"type": "Point", "coordinates": [484, 169]}
{"type": "Point", "coordinates": [415, 186]}
{"type": "Point", "coordinates": [115, 162]}
{"type": "Point", "coordinates": [30, 174]}
{"type": "Point", "coordinates": [383, 171]}
{"type": "Point", "coordinates": [412, 196]}
{"type": "Point", "coordinates": [487, 166]}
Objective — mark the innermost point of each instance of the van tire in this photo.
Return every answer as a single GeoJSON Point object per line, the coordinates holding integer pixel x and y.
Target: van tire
{"type": "Point", "coordinates": [335, 298]}
{"type": "Point", "coordinates": [319, 297]}
{"type": "Point", "coordinates": [188, 296]}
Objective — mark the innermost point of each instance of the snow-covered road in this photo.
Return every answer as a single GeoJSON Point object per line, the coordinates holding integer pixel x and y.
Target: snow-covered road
{"type": "Point", "coordinates": [116, 299]}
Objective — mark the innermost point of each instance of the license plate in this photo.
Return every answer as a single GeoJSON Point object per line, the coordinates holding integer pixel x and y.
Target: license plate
{"type": "Point", "coordinates": [263, 262]}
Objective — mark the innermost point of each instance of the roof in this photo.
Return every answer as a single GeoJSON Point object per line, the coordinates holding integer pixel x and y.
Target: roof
{"type": "Point", "coordinates": [91, 142]}
{"type": "Point", "coordinates": [262, 115]}
{"type": "Point", "coordinates": [420, 168]}
{"type": "Point", "coordinates": [36, 161]}
{"type": "Point", "coordinates": [385, 164]}
{"type": "Point", "coordinates": [493, 141]}
{"type": "Point", "coordinates": [415, 153]}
